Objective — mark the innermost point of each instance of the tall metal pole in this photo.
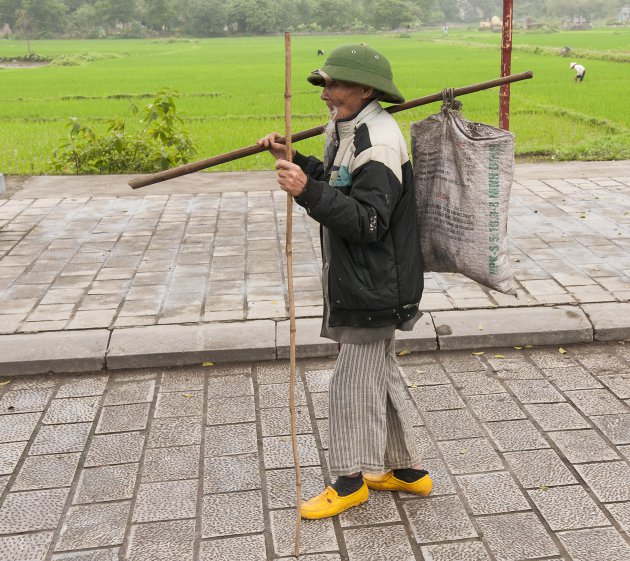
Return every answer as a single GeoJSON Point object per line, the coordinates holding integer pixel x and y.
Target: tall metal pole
{"type": "Point", "coordinates": [506, 64]}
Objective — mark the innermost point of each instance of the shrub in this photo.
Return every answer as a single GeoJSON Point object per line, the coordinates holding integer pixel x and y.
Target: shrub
{"type": "Point", "coordinates": [158, 142]}
{"type": "Point", "coordinates": [30, 57]}
{"type": "Point", "coordinates": [607, 148]}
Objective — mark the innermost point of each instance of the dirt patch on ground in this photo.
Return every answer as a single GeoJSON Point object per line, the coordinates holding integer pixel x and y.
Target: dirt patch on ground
{"type": "Point", "coordinates": [22, 64]}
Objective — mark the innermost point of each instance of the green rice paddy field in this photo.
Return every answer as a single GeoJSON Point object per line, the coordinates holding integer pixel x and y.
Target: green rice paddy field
{"type": "Point", "coordinates": [232, 89]}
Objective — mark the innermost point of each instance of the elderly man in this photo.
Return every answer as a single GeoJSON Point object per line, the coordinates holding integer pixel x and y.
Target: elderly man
{"type": "Point", "coordinates": [362, 195]}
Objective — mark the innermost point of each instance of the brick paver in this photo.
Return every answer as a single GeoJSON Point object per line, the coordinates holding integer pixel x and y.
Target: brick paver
{"type": "Point", "coordinates": [196, 463]}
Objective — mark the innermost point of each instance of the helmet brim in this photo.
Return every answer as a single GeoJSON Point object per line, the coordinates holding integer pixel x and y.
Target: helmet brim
{"type": "Point", "coordinates": [389, 91]}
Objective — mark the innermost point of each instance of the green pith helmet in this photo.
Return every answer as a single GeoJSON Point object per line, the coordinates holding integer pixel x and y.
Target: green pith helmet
{"type": "Point", "coordinates": [359, 64]}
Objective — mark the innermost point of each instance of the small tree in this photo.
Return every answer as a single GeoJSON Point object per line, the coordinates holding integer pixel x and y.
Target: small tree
{"type": "Point", "coordinates": [84, 22]}
{"type": "Point", "coordinates": [160, 143]}
{"type": "Point", "coordinates": [206, 17]}
{"type": "Point", "coordinates": [116, 11]}
{"type": "Point", "coordinates": [23, 28]}
{"type": "Point", "coordinates": [38, 18]}
{"type": "Point", "coordinates": [389, 14]}
{"type": "Point", "coordinates": [160, 15]}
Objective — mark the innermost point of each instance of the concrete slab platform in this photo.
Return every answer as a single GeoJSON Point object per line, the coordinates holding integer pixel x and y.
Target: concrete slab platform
{"type": "Point", "coordinates": [65, 351]}
{"type": "Point", "coordinates": [308, 342]}
{"type": "Point", "coordinates": [67, 254]}
{"type": "Point", "coordinates": [610, 320]}
{"type": "Point", "coordinates": [178, 345]}
{"type": "Point", "coordinates": [503, 327]}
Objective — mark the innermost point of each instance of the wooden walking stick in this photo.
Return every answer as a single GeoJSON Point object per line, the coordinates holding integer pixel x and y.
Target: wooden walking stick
{"type": "Point", "coordinates": [309, 133]}
{"type": "Point", "coordinates": [289, 253]}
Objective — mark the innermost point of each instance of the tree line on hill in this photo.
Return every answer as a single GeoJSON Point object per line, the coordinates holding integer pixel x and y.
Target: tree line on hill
{"type": "Point", "coordinates": [142, 18]}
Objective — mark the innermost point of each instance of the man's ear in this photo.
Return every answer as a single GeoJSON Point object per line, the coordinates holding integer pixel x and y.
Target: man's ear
{"type": "Point", "coordinates": [367, 92]}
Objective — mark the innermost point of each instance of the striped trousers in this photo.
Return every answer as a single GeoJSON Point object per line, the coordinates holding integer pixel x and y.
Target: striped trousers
{"type": "Point", "coordinates": [370, 412]}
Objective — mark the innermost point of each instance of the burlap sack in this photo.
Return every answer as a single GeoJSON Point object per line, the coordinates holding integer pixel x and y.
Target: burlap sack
{"type": "Point", "coordinates": [463, 175]}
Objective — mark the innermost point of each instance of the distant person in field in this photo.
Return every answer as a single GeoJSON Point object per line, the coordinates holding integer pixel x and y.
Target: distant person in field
{"type": "Point", "coordinates": [320, 52]}
{"type": "Point", "coordinates": [580, 71]}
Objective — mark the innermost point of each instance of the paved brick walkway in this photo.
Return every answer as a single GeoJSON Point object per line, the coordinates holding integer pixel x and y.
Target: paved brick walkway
{"type": "Point", "coordinates": [71, 263]}
{"type": "Point", "coordinates": [529, 449]}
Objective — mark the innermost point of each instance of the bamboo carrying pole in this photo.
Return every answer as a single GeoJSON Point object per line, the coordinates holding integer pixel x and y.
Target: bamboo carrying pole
{"type": "Point", "coordinates": [309, 133]}
{"type": "Point", "coordinates": [289, 253]}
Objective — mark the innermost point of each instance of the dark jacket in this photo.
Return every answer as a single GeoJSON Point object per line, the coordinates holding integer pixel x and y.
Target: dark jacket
{"type": "Point", "coordinates": [366, 200]}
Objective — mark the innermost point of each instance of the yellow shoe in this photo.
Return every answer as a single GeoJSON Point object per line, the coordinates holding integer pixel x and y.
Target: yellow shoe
{"type": "Point", "coordinates": [329, 503]}
{"type": "Point", "coordinates": [389, 482]}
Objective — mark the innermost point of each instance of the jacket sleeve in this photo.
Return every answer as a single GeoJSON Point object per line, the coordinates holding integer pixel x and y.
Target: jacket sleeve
{"type": "Point", "coordinates": [310, 165]}
{"type": "Point", "coordinates": [361, 216]}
